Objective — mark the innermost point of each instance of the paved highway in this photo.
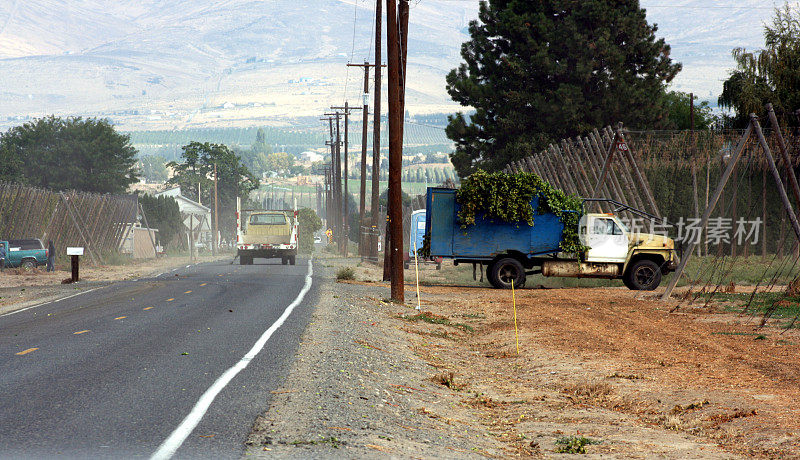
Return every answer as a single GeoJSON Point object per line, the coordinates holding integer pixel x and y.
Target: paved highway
{"type": "Point", "coordinates": [179, 364]}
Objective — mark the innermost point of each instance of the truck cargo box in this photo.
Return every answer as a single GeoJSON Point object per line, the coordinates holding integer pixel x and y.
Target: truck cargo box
{"type": "Point", "coordinates": [488, 237]}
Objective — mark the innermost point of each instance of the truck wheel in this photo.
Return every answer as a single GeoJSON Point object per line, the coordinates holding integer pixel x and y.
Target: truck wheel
{"type": "Point", "coordinates": [291, 260]}
{"type": "Point", "coordinates": [28, 265]}
{"type": "Point", "coordinates": [245, 260]}
{"type": "Point", "coordinates": [284, 260]}
{"type": "Point", "coordinates": [502, 272]}
{"type": "Point", "coordinates": [644, 275]}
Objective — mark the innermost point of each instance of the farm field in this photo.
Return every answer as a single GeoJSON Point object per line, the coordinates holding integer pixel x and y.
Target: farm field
{"type": "Point", "coordinates": [612, 366]}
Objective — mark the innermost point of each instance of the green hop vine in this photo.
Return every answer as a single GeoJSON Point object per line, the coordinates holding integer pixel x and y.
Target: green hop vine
{"type": "Point", "coordinates": [508, 197]}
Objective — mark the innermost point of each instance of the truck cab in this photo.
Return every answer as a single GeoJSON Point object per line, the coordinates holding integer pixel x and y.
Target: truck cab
{"type": "Point", "coordinates": [639, 259]}
{"type": "Point", "coordinates": [25, 253]}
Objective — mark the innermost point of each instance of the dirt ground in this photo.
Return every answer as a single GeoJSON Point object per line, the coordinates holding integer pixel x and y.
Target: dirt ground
{"type": "Point", "coordinates": [603, 366]}
{"type": "Point", "coordinates": [19, 288]}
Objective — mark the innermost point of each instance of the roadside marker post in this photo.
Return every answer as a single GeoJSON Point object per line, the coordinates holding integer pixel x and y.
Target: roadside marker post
{"type": "Point", "coordinates": [75, 254]}
{"type": "Point", "coordinates": [514, 302]}
{"type": "Point", "coordinates": [416, 269]}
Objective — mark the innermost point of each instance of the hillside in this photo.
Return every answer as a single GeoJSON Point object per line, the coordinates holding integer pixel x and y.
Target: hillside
{"type": "Point", "coordinates": [171, 64]}
{"type": "Point", "coordinates": [156, 64]}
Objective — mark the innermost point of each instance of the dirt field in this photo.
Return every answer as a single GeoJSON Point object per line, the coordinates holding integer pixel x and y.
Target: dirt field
{"type": "Point", "coordinates": [604, 365]}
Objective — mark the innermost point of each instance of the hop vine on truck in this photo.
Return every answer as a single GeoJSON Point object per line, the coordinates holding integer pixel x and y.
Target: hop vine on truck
{"type": "Point", "coordinates": [519, 225]}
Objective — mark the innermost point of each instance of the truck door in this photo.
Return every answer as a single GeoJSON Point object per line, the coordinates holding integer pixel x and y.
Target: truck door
{"type": "Point", "coordinates": [607, 240]}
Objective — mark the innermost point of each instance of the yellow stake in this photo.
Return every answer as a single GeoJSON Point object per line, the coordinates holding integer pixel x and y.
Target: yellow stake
{"type": "Point", "coordinates": [514, 301]}
{"type": "Point", "coordinates": [416, 269]}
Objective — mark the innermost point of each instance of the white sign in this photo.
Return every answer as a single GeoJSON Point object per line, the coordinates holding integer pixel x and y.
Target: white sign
{"type": "Point", "coordinates": [74, 251]}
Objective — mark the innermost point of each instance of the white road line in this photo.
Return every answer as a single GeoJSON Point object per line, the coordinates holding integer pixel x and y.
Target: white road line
{"type": "Point", "coordinates": [48, 303]}
{"type": "Point", "coordinates": [176, 439]}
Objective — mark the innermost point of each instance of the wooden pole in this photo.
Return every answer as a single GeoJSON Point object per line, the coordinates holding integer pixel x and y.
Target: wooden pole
{"type": "Point", "coordinates": [376, 134]}
{"type": "Point", "coordinates": [776, 175]}
{"type": "Point", "coordinates": [362, 204]}
{"type": "Point", "coordinates": [215, 240]}
{"type": "Point", "coordinates": [395, 149]}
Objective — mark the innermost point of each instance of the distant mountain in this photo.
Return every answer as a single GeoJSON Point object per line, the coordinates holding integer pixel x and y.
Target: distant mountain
{"type": "Point", "coordinates": [171, 64]}
{"type": "Point", "coordinates": [196, 62]}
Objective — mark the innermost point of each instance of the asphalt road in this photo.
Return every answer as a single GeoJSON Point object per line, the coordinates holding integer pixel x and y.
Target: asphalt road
{"type": "Point", "coordinates": [114, 372]}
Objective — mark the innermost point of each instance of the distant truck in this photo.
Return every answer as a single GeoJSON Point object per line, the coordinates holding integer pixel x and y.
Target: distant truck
{"type": "Point", "coordinates": [415, 240]}
{"type": "Point", "coordinates": [265, 234]}
{"type": "Point", "coordinates": [26, 253]}
{"type": "Point", "coordinates": [513, 250]}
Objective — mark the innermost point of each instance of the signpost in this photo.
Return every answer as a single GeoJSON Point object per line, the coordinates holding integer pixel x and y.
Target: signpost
{"type": "Point", "coordinates": [75, 254]}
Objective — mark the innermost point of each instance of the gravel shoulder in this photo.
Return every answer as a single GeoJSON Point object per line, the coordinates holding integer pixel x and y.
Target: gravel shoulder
{"type": "Point", "coordinates": [374, 379]}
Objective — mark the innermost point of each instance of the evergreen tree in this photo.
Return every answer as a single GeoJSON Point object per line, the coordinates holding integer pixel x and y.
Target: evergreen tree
{"type": "Point", "coordinates": [537, 71]}
{"type": "Point", "coordinates": [164, 214]}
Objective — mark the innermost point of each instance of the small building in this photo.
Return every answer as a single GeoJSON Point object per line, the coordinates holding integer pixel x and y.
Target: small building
{"type": "Point", "coordinates": [193, 213]}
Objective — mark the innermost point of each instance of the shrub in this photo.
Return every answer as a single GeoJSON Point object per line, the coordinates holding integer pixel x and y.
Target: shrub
{"type": "Point", "coordinates": [345, 273]}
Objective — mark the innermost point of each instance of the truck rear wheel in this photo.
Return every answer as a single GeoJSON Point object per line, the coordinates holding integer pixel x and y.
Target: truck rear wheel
{"type": "Point", "coordinates": [28, 265]}
{"type": "Point", "coordinates": [245, 260]}
{"type": "Point", "coordinates": [504, 271]}
{"type": "Point", "coordinates": [284, 260]}
{"type": "Point", "coordinates": [291, 260]}
{"type": "Point", "coordinates": [643, 275]}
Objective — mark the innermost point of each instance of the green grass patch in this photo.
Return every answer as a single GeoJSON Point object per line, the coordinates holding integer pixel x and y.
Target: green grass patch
{"type": "Point", "coordinates": [574, 444]}
{"type": "Point", "coordinates": [762, 301]}
{"type": "Point", "coordinates": [431, 318]}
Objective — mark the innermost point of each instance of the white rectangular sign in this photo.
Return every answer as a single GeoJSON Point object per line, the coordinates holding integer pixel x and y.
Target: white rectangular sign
{"type": "Point", "coordinates": [74, 251]}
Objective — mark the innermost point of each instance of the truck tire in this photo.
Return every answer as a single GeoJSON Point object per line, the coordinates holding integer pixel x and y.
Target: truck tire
{"type": "Point", "coordinates": [245, 260]}
{"type": "Point", "coordinates": [284, 260]}
{"type": "Point", "coordinates": [28, 265]}
{"type": "Point", "coordinates": [643, 275]}
{"type": "Point", "coordinates": [502, 272]}
{"type": "Point", "coordinates": [291, 260]}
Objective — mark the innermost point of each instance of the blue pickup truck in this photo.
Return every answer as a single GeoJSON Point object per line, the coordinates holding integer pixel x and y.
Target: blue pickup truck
{"type": "Point", "coordinates": [513, 250]}
{"type": "Point", "coordinates": [26, 253]}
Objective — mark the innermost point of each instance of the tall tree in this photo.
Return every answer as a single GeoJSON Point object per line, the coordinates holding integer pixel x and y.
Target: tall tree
{"type": "Point", "coordinates": [536, 71]}
{"type": "Point", "coordinates": [677, 107]}
{"type": "Point", "coordinates": [68, 153]}
{"type": "Point", "coordinates": [198, 168]}
{"type": "Point", "coordinates": [162, 212]}
{"type": "Point", "coordinates": [771, 74]}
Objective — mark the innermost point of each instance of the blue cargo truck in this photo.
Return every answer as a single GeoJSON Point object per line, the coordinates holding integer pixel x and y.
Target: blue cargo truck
{"type": "Point", "coordinates": [511, 251]}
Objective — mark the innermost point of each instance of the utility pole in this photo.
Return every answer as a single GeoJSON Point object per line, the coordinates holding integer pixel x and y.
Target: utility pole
{"type": "Point", "coordinates": [346, 227]}
{"type": "Point", "coordinates": [336, 178]}
{"type": "Point", "coordinates": [376, 135]}
{"type": "Point", "coordinates": [215, 240]}
{"type": "Point", "coordinates": [191, 238]}
{"type": "Point", "coordinates": [397, 33]}
{"type": "Point", "coordinates": [362, 251]}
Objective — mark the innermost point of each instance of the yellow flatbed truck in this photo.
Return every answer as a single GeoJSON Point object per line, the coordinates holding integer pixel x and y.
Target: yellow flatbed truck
{"type": "Point", "coordinates": [267, 234]}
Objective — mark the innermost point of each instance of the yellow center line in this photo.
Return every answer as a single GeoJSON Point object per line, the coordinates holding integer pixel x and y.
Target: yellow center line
{"type": "Point", "coordinates": [121, 317]}
{"type": "Point", "coordinates": [147, 308]}
{"type": "Point", "coordinates": [25, 352]}
{"type": "Point", "coordinates": [188, 292]}
{"type": "Point", "coordinates": [81, 332]}
{"type": "Point", "coordinates": [170, 300]}
{"type": "Point", "coordinates": [203, 284]}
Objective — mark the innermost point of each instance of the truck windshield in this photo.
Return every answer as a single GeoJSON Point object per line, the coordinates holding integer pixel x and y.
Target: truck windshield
{"type": "Point", "coordinates": [267, 219]}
